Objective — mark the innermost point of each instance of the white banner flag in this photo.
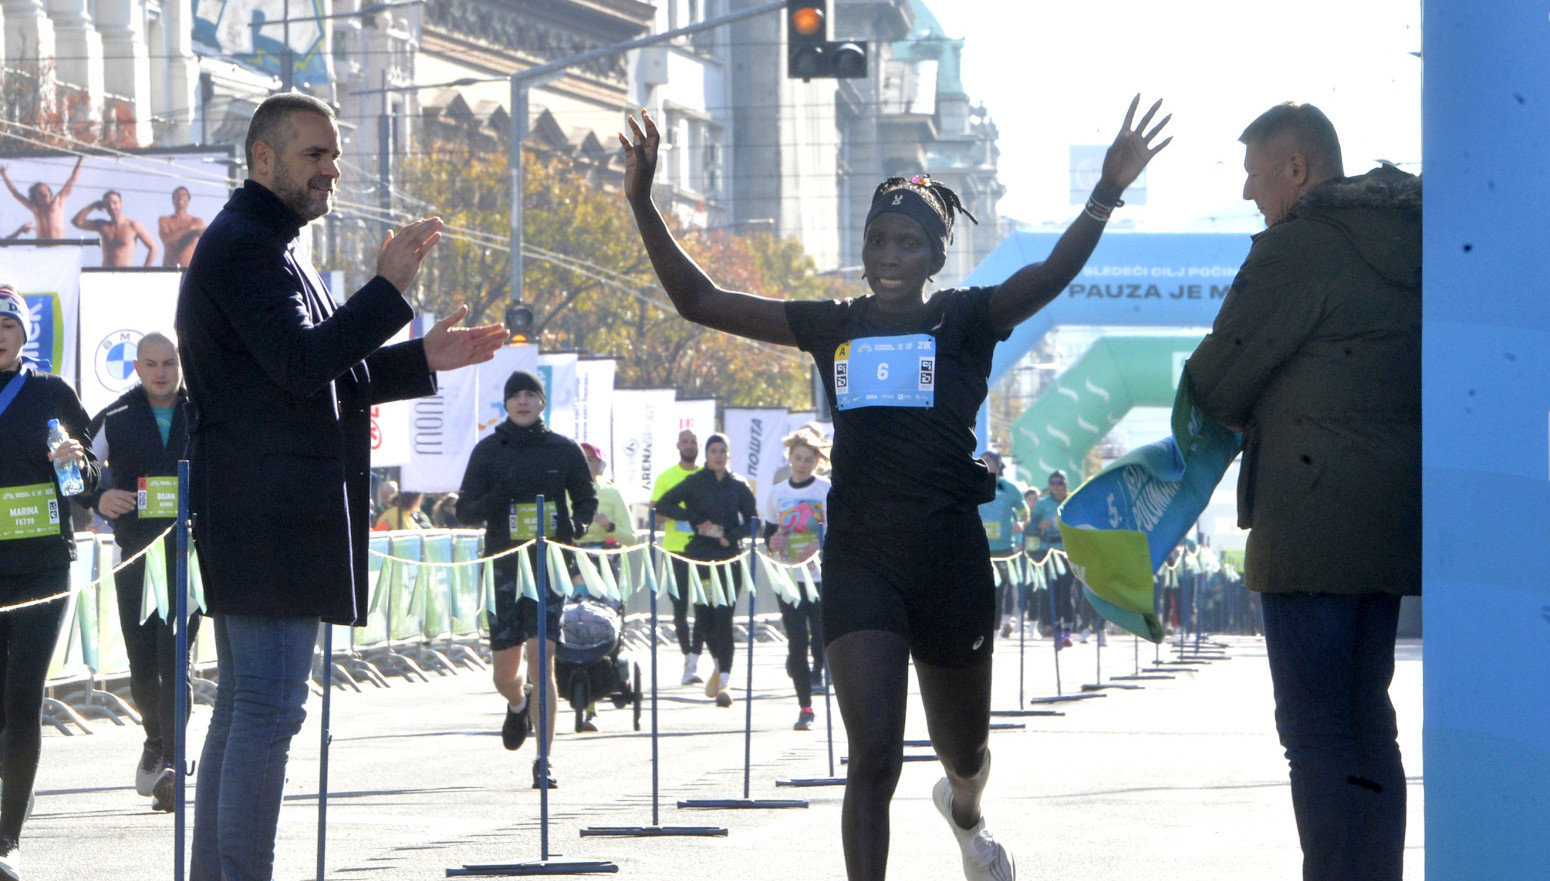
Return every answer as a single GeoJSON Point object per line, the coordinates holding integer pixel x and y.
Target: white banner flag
{"type": "Point", "coordinates": [594, 403]}
{"type": "Point", "coordinates": [491, 406]}
{"type": "Point", "coordinates": [441, 433]}
{"type": "Point", "coordinates": [644, 438]}
{"type": "Point", "coordinates": [699, 416]}
{"type": "Point", "coordinates": [117, 309]}
{"type": "Point", "coordinates": [754, 434]}
{"type": "Point", "coordinates": [390, 423]}
{"type": "Point", "coordinates": [49, 280]}
{"type": "Point", "coordinates": [557, 371]}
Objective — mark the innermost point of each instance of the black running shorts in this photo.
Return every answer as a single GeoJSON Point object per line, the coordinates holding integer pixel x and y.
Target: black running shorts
{"type": "Point", "coordinates": [931, 584]}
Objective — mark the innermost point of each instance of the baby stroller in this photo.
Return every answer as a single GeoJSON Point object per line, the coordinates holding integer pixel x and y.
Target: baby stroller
{"type": "Point", "coordinates": [588, 665]}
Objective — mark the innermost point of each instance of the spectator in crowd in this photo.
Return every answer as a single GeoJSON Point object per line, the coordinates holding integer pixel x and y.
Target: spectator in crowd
{"type": "Point", "coordinates": [140, 437]}
{"type": "Point", "coordinates": [47, 207]}
{"type": "Point", "coordinates": [281, 384]}
{"type": "Point", "coordinates": [117, 232]}
{"type": "Point", "coordinates": [795, 514]}
{"type": "Point", "coordinates": [180, 231]}
{"type": "Point", "coordinates": [507, 472]}
{"type": "Point", "coordinates": [37, 546]}
{"type": "Point", "coordinates": [1035, 600]}
{"type": "Point", "coordinates": [720, 508]}
{"type": "Point", "coordinates": [1316, 358]}
{"type": "Point", "coordinates": [1003, 518]}
{"type": "Point", "coordinates": [906, 566]}
{"type": "Point", "coordinates": [444, 513]}
{"type": "Point", "coordinates": [1064, 585]}
{"type": "Point", "coordinates": [404, 513]}
{"type": "Point", "coordinates": [611, 526]}
{"type": "Point", "coordinates": [387, 490]}
{"type": "Point", "coordinates": [675, 537]}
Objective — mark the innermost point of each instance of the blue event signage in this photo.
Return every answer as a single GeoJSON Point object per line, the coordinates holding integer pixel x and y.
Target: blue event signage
{"type": "Point", "coordinates": [46, 338]}
{"type": "Point", "coordinates": [886, 371]}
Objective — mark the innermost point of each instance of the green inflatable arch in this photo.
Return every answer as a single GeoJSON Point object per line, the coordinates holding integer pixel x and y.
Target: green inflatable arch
{"type": "Point", "coordinates": [1071, 416]}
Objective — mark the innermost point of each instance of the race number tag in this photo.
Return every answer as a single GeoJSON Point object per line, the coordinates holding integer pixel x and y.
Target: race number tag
{"type": "Point", "coordinates": [992, 529]}
{"type": "Point", "coordinates": [886, 371]}
{"type": "Point", "coordinates": [523, 521]}
{"type": "Point", "coordinates": [28, 511]}
{"type": "Point", "coordinates": [157, 498]}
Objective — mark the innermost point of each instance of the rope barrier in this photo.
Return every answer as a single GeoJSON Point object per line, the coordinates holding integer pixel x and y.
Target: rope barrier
{"type": "Point", "coordinates": [85, 587]}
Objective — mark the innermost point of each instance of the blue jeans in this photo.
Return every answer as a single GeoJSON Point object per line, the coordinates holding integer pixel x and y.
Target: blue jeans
{"type": "Point", "coordinates": [264, 664]}
{"type": "Point", "coordinates": [1331, 662]}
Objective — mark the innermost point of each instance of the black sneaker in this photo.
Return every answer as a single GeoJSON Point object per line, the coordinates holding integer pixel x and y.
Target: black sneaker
{"type": "Point", "coordinates": [518, 723]}
{"type": "Point", "coordinates": [162, 793]}
{"type": "Point", "coordinates": [553, 783]}
{"type": "Point", "coordinates": [148, 769]}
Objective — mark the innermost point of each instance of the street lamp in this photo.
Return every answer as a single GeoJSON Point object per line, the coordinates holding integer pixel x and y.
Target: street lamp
{"type": "Point", "coordinates": [287, 55]}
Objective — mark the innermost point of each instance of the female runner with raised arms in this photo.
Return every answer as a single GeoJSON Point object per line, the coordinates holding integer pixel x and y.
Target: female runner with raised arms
{"type": "Point", "coordinates": [906, 567]}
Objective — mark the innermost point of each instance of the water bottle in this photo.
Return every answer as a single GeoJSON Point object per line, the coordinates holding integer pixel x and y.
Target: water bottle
{"type": "Point", "coordinates": [69, 475]}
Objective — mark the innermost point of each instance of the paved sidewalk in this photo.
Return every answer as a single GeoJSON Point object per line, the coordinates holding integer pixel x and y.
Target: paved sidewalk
{"type": "Point", "coordinates": [1183, 778]}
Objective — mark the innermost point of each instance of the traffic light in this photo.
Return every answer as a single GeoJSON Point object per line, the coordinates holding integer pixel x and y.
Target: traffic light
{"type": "Point", "coordinates": [519, 322]}
{"type": "Point", "coordinates": [810, 52]}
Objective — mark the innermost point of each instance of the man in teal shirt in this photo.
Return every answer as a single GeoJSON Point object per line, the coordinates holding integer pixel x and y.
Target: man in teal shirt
{"type": "Point", "coordinates": [1047, 525]}
{"type": "Point", "coordinates": [1003, 519]}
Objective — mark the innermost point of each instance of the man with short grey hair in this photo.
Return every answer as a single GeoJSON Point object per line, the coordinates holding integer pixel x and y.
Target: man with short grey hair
{"type": "Point", "coordinates": [281, 386]}
{"type": "Point", "coordinates": [1316, 358]}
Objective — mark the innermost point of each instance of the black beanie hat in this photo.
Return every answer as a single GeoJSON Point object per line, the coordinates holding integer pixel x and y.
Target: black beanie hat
{"type": "Point", "coordinates": [523, 381]}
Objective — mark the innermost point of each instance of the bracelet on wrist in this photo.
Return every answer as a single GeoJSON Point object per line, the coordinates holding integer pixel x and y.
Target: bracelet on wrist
{"type": "Point", "coordinates": [1099, 211]}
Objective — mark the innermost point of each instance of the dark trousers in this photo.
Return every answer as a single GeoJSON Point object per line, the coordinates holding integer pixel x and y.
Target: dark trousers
{"type": "Point", "coordinates": [718, 619]}
{"type": "Point", "coordinates": [690, 641]}
{"type": "Point", "coordinates": [804, 633]}
{"type": "Point", "coordinates": [153, 663]}
{"type": "Point", "coordinates": [27, 638]}
{"type": "Point", "coordinates": [1331, 662]}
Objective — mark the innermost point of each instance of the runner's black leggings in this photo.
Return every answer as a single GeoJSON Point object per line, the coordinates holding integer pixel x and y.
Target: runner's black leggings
{"type": "Point", "coordinates": [804, 630]}
{"type": "Point", "coordinates": [153, 664]}
{"type": "Point", "coordinates": [689, 641]}
{"type": "Point", "coordinates": [718, 619]}
{"type": "Point", "coordinates": [27, 638]}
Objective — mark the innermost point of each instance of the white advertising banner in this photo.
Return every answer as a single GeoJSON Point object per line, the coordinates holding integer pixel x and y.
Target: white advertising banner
{"type": "Point", "coordinates": [594, 403]}
{"type": "Point", "coordinates": [390, 423]}
{"type": "Point", "coordinates": [49, 280]}
{"type": "Point", "coordinates": [558, 373]}
{"type": "Point", "coordinates": [645, 431]}
{"type": "Point", "coordinates": [441, 433]}
{"type": "Point", "coordinates": [117, 309]}
{"type": "Point", "coordinates": [754, 435]}
{"type": "Point", "coordinates": [699, 416]}
{"type": "Point", "coordinates": [491, 406]}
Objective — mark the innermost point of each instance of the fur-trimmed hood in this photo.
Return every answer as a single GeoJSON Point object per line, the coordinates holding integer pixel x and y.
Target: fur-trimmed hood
{"type": "Point", "coordinates": [1379, 212]}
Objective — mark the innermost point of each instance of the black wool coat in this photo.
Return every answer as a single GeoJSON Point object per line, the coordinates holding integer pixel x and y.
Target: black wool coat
{"type": "Point", "coordinates": [281, 385]}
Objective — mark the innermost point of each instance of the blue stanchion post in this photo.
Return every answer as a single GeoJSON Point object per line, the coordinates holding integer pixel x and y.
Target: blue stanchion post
{"type": "Point", "coordinates": [180, 679]}
{"type": "Point", "coordinates": [746, 801]}
{"type": "Point", "coordinates": [656, 829]}
{"type": "Point", "coordinates": [325, 738]}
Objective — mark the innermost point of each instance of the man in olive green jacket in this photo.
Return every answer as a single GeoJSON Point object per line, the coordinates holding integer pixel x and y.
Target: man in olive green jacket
{"type": "Point", "coordinates": [1316, 359]}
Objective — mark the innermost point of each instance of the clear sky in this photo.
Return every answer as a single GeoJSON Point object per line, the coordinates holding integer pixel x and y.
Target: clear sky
{"type": "Point", "coordinates": [1057, 74]}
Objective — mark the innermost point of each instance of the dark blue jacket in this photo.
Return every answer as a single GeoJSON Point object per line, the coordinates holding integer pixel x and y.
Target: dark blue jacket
{"type": "Point", "coordinates": [281, 385]}
{"type": "Point", "coordinates": [24, 462]}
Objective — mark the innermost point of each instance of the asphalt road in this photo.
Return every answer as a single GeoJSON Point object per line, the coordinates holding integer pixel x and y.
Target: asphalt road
{"type": "Point", "coordinates": [1182, 778]}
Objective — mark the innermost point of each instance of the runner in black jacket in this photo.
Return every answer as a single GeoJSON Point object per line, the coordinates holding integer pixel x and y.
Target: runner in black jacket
{"type": "Point", "coordinates": [720, 507]}
{"type": "Point", "coordinates": [141, 436]}
{"type": "Point", "coordinates": [37, 545]}
{"type": "Point", "coordinates": [506, 473]}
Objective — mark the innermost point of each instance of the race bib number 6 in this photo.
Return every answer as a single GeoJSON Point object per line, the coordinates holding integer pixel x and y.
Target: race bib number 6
{"type": "Point", "coordinates": [893, 371]}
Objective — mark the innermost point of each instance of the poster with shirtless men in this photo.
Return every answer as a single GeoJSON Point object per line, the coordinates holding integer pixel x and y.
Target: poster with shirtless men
{"type": "Point", "coordinates": [127, 209]}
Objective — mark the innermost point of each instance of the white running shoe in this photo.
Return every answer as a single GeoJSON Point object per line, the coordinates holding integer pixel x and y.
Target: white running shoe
{"type": "Point", "coordinates": [984, 858]}
{"type": "Point", "coordinates": [692, 670]}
